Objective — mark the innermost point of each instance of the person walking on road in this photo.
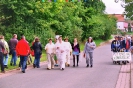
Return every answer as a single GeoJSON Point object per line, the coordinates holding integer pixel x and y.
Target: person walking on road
{"type": "Point", "coordinates": [61, 52]}
{"type": "Point", "coordinates": [126, 44]}
{"type": "Point", "coordinates": [6, 52]}
{"type": "Point", "coordinates": [37, 47]}
{"type": "Point", "coordinates": [68, 53]}
{"type": "Point", "coordinates": [1, 55]}
{"type": "Point", "coordinates": [23, 50]}
{"type": "Point", "coordinates": [12, 46]}
{"type": "Point", "coordinates": [88, 51]}
{"type": "Point", "coordinates": [50, 50]}
{"type": "Point", "coordinates": [76, 51]}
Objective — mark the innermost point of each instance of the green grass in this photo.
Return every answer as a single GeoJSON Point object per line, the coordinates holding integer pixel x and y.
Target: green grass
{"type": "Point", "coordinates": [98, 42]}
{"type": "Point", "coordinates": [43, 58]}
{"type": "Point", "coordinates": [129, 33]}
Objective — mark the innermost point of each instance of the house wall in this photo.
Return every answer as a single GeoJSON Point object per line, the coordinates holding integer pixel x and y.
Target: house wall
{"type": "Point", "coordinates": [120, 25]}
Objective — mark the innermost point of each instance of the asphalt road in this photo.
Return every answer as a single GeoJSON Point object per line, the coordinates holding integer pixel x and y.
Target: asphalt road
{"type": "Point", "coordinates": [103, 75]}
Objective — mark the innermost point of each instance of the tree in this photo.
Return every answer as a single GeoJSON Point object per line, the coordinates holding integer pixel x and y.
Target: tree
{"type": "Point", "coordinates": [129, 9]}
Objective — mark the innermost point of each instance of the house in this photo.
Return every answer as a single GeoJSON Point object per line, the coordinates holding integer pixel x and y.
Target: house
{"type": "Point", "coordinates": [122, 24]}
{"type": "Point", "coordinates": [120, 21]}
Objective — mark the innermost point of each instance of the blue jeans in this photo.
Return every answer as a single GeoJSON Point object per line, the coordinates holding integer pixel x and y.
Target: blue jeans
{"type": "Point", "coordinates": [23, 60]}
{"type": "Point", "coordinates": [37, 59]}
{"type": "Point", "coordinates": [14, 57]}
{"type": "Point", "coordinates": [5, 59]}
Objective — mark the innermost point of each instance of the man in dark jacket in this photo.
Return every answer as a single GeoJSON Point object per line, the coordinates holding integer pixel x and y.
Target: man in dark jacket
{"type": "Point", "coordinates": [12, 46]}
{"type": "Point", "coordinates": [23, 50]}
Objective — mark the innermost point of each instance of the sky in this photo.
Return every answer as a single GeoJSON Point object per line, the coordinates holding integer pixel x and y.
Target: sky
{"type": "Point", "coordinates": [112, 7]}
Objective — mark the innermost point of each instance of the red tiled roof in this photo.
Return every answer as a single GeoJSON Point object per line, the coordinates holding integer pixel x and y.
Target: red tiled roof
{"type": "Point", "coordinates": [120, 17]}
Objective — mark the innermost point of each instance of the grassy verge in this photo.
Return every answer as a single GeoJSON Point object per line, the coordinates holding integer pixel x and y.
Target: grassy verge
{"type": "Point", "coordinates": [98, 42]}
{"type": "Point", "coordinates": [43, 58]}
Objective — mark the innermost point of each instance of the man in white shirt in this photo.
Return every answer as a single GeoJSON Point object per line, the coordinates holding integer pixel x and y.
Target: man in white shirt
{"type": "Point", "coordinates": [69, 50]}
{"type": "Point", "coordinates": [50, 50]}
{"type": "Point", "coordinates": [61, 52]}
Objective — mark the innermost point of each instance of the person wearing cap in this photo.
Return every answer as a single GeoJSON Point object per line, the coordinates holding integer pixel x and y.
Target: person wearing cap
{"type": "Point", "coordinates": [12, 47]}
{"type": "Point", "coordinates": [60, 48]}
{"type": "Point", "coordinates": [69, 50]}
{"type": "Point", "coordinates": [126, 44]}
{"type": "Point", "coordinates": [23, 50]}
{"type": "Point", "coordinates": [2, 48]}
{"type": "Point", "coordinates": [50, 51]}
{"type": "Point", "coordinates": [37, 47]}
{"type": "Point", "coordinates": [88, 51]}
{"type": "Point", "coordinates": [76, 51]}
{"type": "Point", "coordinates": [115, 45]}
{"type": "Point", "coordinates": [6, 52]}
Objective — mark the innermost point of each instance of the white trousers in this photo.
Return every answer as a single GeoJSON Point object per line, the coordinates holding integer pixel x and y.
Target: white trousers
{"type": "Point", "coordinates": [61, 59]}
{"type": "Point", "coordinates": [50, 60]}
{"type": "Point", "coordinates": [68, 58]}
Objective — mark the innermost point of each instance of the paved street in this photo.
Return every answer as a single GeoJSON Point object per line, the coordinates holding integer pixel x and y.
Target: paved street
{"type": "Point", "coordinates": [103, 75]}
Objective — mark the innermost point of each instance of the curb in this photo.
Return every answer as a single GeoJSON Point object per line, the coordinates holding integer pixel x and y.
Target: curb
{"type": "Point", "coordinates": [9, 72]}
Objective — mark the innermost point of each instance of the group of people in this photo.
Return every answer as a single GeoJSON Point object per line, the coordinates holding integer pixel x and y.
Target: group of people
{"type": "Point", "coordinates": [62, 50]}
{"type": "Point", "coordinates": [58, 53]}
{"type": "Point", "coordinates": [122, 44]}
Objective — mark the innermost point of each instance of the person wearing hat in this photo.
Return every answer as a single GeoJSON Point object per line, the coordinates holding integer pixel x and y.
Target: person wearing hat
{"type": "Point", "coordinates": [69, 50]}
{"type": "Point", "coordinates": [88, 51]}
{"type": "Point", "coordinates": [23, 50]}
{"type": "Point", "coordinates": [60, 48]}
{"type": "Point", "coordinates": [50, 50]}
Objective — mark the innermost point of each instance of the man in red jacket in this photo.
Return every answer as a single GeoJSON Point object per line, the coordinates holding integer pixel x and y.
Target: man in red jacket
{"type": "Point", "coordinates": [23, 50]}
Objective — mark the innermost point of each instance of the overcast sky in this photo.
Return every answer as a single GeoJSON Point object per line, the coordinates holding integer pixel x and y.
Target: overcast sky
{"type": "Point", "coordinates": [112, 7]}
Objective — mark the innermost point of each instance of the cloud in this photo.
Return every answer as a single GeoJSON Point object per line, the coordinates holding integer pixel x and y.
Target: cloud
{"type": "Point", "coordinates": [112, 7]}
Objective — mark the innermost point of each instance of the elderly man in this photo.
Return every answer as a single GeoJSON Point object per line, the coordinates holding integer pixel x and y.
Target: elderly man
{"type": "Point", "coordinates": [23, 50]}
{"type": "Point", "coordinates": [12, 46]}
{"type": "Point", "coordinates": [61, 52]}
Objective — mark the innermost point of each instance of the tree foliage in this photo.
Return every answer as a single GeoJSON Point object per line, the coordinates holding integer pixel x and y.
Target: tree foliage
{"type": "Point", "coordinates": [129, 8]}
{"type": "Point", "coordinates": [46, 19]}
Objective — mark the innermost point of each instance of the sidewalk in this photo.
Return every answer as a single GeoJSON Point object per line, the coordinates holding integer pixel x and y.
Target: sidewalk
{"type": "Point", "coordinates": [125, 78]}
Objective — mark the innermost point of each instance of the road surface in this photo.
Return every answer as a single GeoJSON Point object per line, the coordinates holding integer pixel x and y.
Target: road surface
{"type": "Point", "coordinates": [103, 75]}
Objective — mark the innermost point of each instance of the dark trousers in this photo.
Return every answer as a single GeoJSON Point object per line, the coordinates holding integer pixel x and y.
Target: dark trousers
{"type": "Point", "coordinates": [23, 60]}
{"type": "Point", "coordinates": [1, 61]}
{"type": "Point", "coordinates": [37, 59]}
{"type": "Point", "coordinates": [77, 56]}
